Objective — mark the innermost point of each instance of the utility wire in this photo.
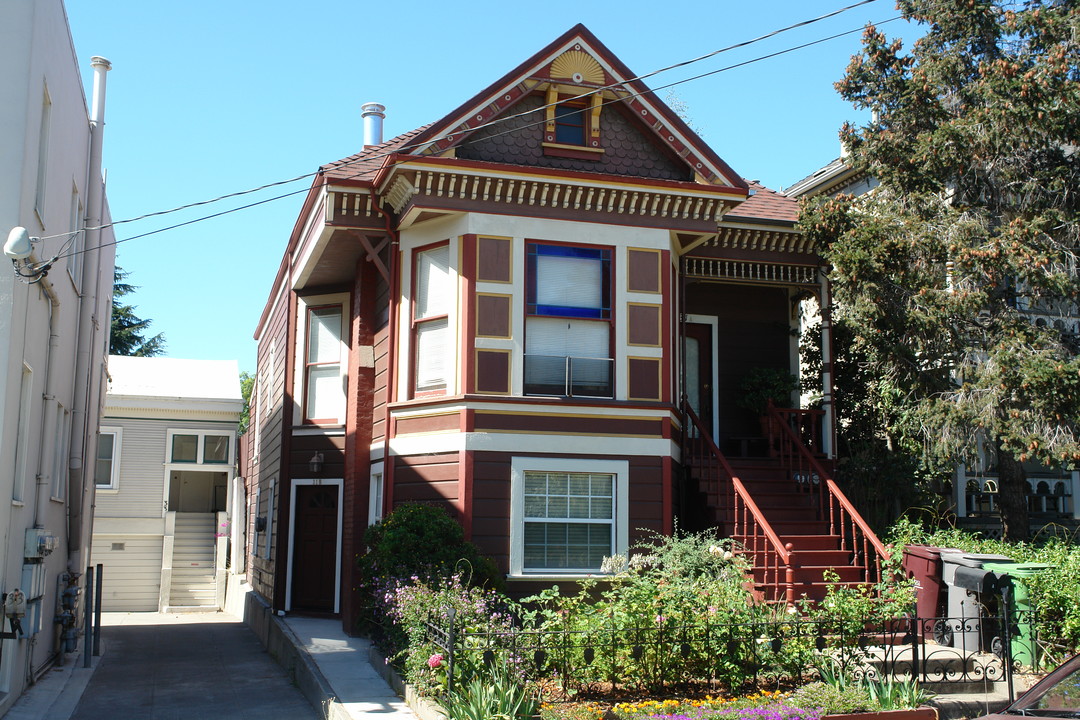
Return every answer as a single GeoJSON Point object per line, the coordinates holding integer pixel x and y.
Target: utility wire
{"type": "Point", "coordinates": [500, 120]}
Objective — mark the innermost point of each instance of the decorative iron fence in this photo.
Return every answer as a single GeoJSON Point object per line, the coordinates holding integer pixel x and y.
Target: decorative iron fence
{"type": "Point", "coordinates": [675, 655]}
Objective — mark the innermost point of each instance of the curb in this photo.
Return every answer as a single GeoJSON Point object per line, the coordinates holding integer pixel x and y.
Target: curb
{"type": "Point", "coordinates": [423, 707]}
{"type": "Point", "coordinates": [287, 650]}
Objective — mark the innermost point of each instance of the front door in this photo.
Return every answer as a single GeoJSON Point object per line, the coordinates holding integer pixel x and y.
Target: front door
{"type": "Point", "coordinates": [698, 355]}
{"type": "Point", "coordinates": [315, 543]}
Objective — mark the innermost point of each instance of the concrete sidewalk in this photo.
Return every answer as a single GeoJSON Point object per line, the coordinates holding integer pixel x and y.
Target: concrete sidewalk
{"type": "Point", "coordinates": [212, 665]}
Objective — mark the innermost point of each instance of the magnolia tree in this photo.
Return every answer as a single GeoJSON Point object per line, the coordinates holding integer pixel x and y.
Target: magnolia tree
{"type": "Point", "coordinates": [958, 274]}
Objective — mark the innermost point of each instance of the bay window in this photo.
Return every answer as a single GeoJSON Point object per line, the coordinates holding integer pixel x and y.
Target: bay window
{"type": "Point", "coordinates": [433, 293]}
{"type": "Point", "coordinates": [568, 323]}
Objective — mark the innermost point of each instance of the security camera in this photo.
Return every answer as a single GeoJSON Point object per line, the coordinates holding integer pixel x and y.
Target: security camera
{"type": "Point", "coordinates": [19, 244]}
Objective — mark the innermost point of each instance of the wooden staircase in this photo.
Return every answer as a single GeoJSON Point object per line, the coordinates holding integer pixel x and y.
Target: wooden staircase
{"type": "Point", "coordinates": [193, 575]}
{"type": "Point", "coordinates": [785, 512]}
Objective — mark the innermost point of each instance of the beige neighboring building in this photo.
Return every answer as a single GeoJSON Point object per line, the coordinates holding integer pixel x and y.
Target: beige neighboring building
{"type": "Point", "coordinates": [166, 483]}
{"type": "Point", "coordinates": [54, 333]}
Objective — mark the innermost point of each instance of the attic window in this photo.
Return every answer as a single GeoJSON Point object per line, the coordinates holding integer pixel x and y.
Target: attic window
{"type": "Point", "coordinates": [570, 124]}
{"type": "Point", "coordinates": [573, 124]}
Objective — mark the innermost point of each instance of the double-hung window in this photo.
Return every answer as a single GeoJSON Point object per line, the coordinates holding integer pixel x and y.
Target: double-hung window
{"type": "Point", "coordinates": [107, 466]}
{"type": "Point", "coordinates": [432, 296]}
{"type": "Point", "coordinates": [324, 392]}
{"type": "Point", "coordinates": [568, 323]}
{"type": "Point", "coordinates": [567, 514]}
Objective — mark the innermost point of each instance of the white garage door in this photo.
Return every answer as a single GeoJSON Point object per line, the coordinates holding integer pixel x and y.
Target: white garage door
{"type": "Point", "coordinates": [132, 571]}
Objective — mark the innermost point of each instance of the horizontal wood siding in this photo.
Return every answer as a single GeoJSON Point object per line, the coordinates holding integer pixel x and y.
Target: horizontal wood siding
{"type": "Point", "coordinates": [427, 479]}
{"type": "Point", "coordinates": [266, 469]}
{"type": "Point", "coordinates": [143, 453]}
{"type": "Point", "coordinates": [378, 413]}
{"type": "Point", "coordinates": [132, 576]}
{"type": "Point", "coordinates": [303, 448]}
{"type": "Point", "coordinates": [491, 501]}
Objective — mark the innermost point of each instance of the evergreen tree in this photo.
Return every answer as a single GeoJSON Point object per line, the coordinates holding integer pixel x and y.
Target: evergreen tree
{"type": "Point", "coordinates": [126, 336]}
{"type": "Point", "coordinates": [959, 273]}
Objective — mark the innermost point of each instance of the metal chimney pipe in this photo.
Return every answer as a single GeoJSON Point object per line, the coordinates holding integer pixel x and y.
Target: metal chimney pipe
{"type": "Point", "coordinates": [373, 114]}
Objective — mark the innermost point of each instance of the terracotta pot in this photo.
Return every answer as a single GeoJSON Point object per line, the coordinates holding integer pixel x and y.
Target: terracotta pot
{"type": "Point", "coordinates": [923, 713]}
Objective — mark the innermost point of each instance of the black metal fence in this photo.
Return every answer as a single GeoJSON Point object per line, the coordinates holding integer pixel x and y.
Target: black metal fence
{"type": "Point", "coordinates": [709, 655]}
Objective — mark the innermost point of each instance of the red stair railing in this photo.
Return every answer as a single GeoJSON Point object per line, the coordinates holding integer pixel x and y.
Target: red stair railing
{"type": "Point", "coordinates": [792, 433]}
{"type": "Point", "coordinates": [726, 492]}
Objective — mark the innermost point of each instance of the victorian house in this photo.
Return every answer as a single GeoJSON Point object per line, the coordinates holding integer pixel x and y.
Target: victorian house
{"type": "Point", "coordinates": [538, 312]}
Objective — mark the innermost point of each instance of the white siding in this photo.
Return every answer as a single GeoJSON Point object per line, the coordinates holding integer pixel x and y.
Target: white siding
{"type": "Point", "coordinates": [142, 465]}
{"type": "Point", "coordinates": [132, 575]}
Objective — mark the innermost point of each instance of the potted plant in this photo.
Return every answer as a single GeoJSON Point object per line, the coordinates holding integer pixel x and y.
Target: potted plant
{"type": "Point", "coordinates": [764, 384]}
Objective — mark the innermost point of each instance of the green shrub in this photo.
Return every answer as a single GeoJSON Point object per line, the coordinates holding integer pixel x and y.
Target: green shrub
{"type": "Point", "coordinates": [423, 540]}
{"type": "Point", "coordinates": [834, 699]}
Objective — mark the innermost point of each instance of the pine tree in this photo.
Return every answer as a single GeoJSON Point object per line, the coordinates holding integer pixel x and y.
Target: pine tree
{"type": "Point", "coordinates": [959, 273]}
{"type": "Point", "coordinates": [127, 331]}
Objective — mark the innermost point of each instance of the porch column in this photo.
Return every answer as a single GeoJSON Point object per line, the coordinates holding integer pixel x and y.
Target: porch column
{"type": "Point", "coordinates": [960, 488]}
{"type": "Point", "coordinates": [828, 432]}
{"type": "Point", "coordinates": [1074, 500]}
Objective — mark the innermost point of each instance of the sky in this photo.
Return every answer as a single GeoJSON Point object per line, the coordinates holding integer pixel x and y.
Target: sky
{"type": "Point", "coordinates": [208, 98]}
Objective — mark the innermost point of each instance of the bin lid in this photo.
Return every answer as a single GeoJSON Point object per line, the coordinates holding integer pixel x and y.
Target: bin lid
{"type": "Point", "coordinates": [1004, 568]}
{"type": "Point", "coordinates": [927, 552]}
{"type": "Point", "coordinates": [973, 560]}
{"type": "Point", "coordinates": [1027, 569]}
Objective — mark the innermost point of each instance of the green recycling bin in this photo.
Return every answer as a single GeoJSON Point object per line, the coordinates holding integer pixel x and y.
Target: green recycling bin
{"type": "Point", "coordinates": [1025, 649]}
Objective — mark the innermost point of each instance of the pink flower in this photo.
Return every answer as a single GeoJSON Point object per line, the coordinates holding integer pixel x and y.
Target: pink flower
{"type": "Point", "coordinates": [435, 661]}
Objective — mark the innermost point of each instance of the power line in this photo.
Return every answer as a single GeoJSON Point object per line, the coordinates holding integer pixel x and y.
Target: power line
{"type": "Point", "coordinates": [500, 120]}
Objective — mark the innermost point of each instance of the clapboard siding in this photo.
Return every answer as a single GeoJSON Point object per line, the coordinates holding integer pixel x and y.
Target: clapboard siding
{"type": "Point", "coordinates": [132, 576]}
{"type": "Point", "coordinates": [142, 465]}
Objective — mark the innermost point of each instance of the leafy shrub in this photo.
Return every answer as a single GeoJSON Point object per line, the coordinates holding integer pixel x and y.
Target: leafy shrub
{"type": "Point", "coordinates": [685, 590]}
{"type": "Point", "coordinates": [410, 604]}
{"type": "Point", "coordinates": [834, 699]}
{"type": "Point", "coordinates": [423, 540]}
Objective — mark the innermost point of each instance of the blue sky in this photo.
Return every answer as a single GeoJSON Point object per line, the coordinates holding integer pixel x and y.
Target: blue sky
{"type": "Point", "coordinates": [207, 98]}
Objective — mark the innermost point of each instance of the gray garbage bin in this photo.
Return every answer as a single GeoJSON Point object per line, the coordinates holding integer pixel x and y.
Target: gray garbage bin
{"type": "Point", "coordinates": [969, 586]}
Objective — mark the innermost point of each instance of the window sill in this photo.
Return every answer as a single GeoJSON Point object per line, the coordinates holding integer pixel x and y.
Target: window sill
{"type": "Point", "coordinates": [549, 576]}
{"type": "Point", "coordinates": [575, 152]}
{"type": "Point", "coordinates": [17, 503]}
{"type": "Point", "coordinates": [55, 499]}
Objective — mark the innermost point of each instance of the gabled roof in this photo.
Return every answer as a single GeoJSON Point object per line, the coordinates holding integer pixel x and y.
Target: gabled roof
{"type": "Point", "coordinates": [765, 205]}
{"type": "Point", "coordinates": [578, 59]}
{"type": "Point", "coordinates": [365, 165]}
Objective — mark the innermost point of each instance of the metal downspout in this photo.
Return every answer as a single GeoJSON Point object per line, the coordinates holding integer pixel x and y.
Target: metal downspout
{"type": "Point", "coordinates": [48, 418]}
{"type": "Point", "coordinates": [89, 323]}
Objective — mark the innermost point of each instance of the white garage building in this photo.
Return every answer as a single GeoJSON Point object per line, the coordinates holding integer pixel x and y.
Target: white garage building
{"type": "Point", "coordinates": [166, 477]}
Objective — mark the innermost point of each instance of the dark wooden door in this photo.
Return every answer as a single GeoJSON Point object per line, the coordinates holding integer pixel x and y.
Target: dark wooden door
{"type": "Point", "coordinates": [315, 542]}
{"type": "Point", "coordinates": [699, 372]}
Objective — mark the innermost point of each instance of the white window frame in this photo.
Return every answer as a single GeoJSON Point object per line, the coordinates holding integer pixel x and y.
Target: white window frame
{"type": "Point", "coordinates": [292, 535]}
{"type": "Point", "coordinates": [60, 453]}
{"type": "Point", "coordinates": [118, 443]}
{"type": "Point", "coordinates": [22, 435]}
{"type": "Point", "coordinates": [300, 360]}
{"type": "Point", "coordinates": [45, 129]}
{"type": "Point", "coordinates": [376, 488]}
{"type": "Point", "coordinates": [620, 469]}
{"type": "Point", "coordinates": [200, 461]}
{"type": "Point", "coordinates": [270, 519]}
{"type": "Point", "coordinates": [432, 316]}
{"type": "Point", "coordinates": [74, 264]}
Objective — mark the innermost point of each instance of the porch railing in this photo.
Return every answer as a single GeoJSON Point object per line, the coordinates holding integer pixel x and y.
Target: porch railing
{"type": "Point", "coordinates": [844, 520]}
{"type": "Point", "coordinates": [774, 561]}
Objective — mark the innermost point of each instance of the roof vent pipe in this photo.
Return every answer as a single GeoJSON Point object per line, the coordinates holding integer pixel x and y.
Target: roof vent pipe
{"type": "Point", "coordinates": [373, 114]}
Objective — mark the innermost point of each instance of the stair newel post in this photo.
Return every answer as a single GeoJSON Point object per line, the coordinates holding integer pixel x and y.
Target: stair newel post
{"type": "Point", "coordinates": [789, 579]}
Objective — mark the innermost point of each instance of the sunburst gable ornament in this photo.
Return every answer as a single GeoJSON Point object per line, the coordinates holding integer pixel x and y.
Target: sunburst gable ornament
{"type": "Point", "coordinates": [578, 67]}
